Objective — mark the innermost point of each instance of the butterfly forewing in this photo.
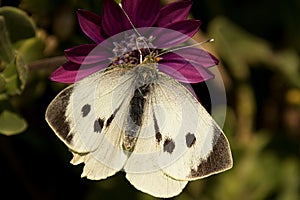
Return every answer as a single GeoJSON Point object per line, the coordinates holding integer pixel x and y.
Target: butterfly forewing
{"type": "Point", "coordinates": [88, 118]}
{"type": "Point", "coordinates": [57, 118]}
{"type": "Point", "coordinates": [199, 145]}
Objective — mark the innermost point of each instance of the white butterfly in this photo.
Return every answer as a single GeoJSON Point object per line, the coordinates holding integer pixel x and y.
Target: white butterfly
{"type": "Point", "coordinates": [139, 120]}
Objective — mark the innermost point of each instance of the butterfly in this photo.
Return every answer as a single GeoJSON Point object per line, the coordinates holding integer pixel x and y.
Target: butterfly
{"type": "Point", "coordinates": [133, 117]}
{"type": "Point", "coordinates": [141, 121]}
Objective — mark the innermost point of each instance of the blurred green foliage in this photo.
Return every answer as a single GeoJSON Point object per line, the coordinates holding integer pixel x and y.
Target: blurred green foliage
{"type": "Point", "coordinates": [258, 44]}
{"type": "Point", "coordinates": [13, 70]}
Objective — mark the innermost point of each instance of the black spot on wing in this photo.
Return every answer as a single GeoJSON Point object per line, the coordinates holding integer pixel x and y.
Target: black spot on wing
{"type": "Point", "coordinates": [169, 145]}
{"type": "Point", "coordinates": [219, 159]}
{"type": "Point", "coordinates": [158, 137]}
{"type": "Point", "coordinates": [190, 139]}
{"type": "Point", "coordinates": [56, 115]}
{"type": "Point", "coordinates": [109, 120]}
{"type": "Point", "coordinates": [101, 122]}
{"type": "Point", "coordinates": [112, 116]}
{"type": "Point", "coordinates": [98, 125]}
{"type": "Point", "coordinates": [85, 110]}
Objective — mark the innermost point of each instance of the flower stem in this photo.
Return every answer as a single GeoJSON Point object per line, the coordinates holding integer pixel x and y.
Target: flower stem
{"type": "Point", "coordinates": [49, 63]}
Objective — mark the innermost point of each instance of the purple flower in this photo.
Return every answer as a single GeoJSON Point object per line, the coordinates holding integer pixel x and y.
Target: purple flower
{"type": "Point", "coordinates": [111, 47]}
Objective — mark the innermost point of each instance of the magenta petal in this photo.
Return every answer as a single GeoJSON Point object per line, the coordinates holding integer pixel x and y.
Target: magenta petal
{"type": "Point", "coordinates": [175, 33]}
{"type": "Point", "coordinates": [188, 75]}
{"type": "Point", "coordinates": [173, 12]}
{"type": "Point", "coordinates": [65, 73]}
{"type": "Point", "coordinates": [142, 13]}
{"type": "Point", "coordinates": [165, 38]}
{"type": "Point", "coordinates": [114, 20]}
{"type": "Point", "coordinates": [196, 56]}
{"type": "Point", "coordinates": [90, 24]}
{"type": "Point", "coordinates": [88, 54]}
{"type": "Point", "coordinates": [72, 72]}
{"type": "Point", "coordinates": [182, 70]}
{"type": "Point", "coordinates": [78, 54]}
{"type": "Point", "coordinates": [186, 27]}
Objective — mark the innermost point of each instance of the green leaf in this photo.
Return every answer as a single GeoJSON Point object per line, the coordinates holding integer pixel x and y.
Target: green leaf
{"type": "Point", "coordinates": [3, 97]}
{"type": "Point", "coordinates": [2, 84]}
{"type": "Point", "coordinates": [15, 76]}
{"type": "Point", "coordinates": [11, 123]}
{"type": "Point", "coordinates": [6, 50]}
{"type": "Point", "coordinates": [22, 70]}
{"type": "Point", "coordinates": [11, 78]}
{"type": "Point", "coordinates": [31, 49]}
{"type": "Point", "coordinates": [19, 24]}
{"type": "Point", "coordinates": [287, 62]}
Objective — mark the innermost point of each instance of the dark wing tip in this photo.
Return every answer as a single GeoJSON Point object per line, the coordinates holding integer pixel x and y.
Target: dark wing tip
{"type": "Point", "coordinates": [56, 117]}
{"type": "Point", "coordinates": [219, 160]}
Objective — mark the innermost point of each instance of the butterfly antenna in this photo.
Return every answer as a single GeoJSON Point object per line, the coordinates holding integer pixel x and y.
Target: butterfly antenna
{"type": "Point", "coordinates": [140, 38]}
{"type": "Point", "coordinates": [133, 27]}
{"type": "Point", "coordinates": [185, 47]}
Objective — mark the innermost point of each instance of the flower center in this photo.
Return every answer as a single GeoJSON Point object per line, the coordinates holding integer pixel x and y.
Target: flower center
{"type": "Point", "coordinates": [134, 57]}
{"type": "Point", "coordinates": [134, 50]}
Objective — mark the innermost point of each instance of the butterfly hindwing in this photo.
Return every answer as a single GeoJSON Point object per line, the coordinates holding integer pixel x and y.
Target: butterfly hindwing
{"type": "Point", "coordinates": [142, 167]}
{"type": "Point", "coordinates": [156, 183]}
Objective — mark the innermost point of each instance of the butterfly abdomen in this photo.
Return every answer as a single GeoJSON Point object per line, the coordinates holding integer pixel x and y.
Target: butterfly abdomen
{"type": "Point", "coordinates": [134, 120]}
